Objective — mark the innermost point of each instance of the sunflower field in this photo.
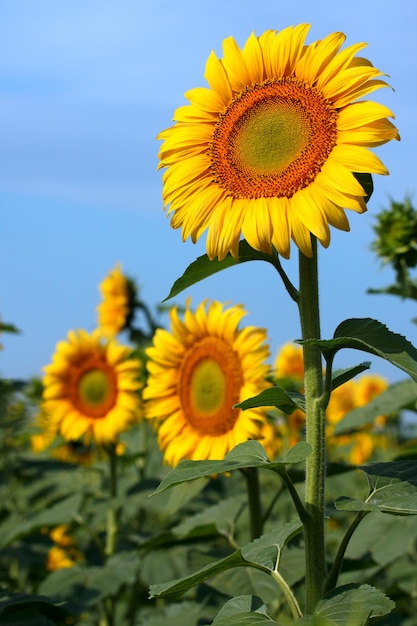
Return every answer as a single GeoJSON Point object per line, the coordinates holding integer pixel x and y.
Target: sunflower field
{"type": "Point", "coordinates": [167, 468]}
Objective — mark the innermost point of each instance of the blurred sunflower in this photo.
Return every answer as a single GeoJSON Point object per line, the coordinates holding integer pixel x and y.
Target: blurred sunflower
{"type": "Point", "coordinates": [270, 149]}
{"type": "Point", "coordinates": [289, 362]}
{"type": "Point", "coordinates": [63, 554]}
{"type": "Point", "coordinates": [91, 388]}
{"type": "Point", "coordinates": [197, 373]}
{"type": "Point", "coordinates": [117, 307]}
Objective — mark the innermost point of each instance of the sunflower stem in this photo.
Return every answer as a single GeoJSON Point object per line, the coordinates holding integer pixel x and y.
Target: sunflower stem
{"type": "Point", "coordinates": [112, 532]}
{"type": "Point", "coordinates": [315, 430]}
{"type": "Point", "coordinates": [113, 511]}
{"type": "Point", "coordinates": [254, 499]}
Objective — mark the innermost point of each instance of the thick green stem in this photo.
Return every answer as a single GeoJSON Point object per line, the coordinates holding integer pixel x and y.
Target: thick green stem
{"type": "Point", "coordinates": [315, 430]}
{"type": "Point", "coordinates": [255, 509]}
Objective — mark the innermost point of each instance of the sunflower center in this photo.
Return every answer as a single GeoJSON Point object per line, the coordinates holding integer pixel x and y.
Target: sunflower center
{"type": "Point", "coordinates": [272, 139]}
{"type": "Point", "coordinates": [210, 383]}
{"type": "Point", "coordinates": [94, 391]}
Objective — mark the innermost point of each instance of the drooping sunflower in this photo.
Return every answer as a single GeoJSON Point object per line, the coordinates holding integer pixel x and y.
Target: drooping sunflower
{"type": "Point", "coordinates": [198, 371]}
{"type": "Point", "coordinates": [270, 149]}
{"type": "Point", "coordinates": [91, 388]}
{"type": "Point", "coordinates": [116, 309]}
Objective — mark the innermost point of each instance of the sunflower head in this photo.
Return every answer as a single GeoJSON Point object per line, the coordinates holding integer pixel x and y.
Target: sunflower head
{"type": "Point", "coordinates": [91, 388]}
{"type": "Point", "coordinates": [269, 150]}
{"type": "Point", "coordinates": [198, 371]}
{"type": "Point", "coordinates": [396, 238]}
{"type": "Point", "coordinates": [117, 308]}
{"type": "Point", "coordinates": [289, 362]}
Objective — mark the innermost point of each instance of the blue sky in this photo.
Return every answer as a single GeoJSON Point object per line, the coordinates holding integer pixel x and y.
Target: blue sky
{"type": "Point", "coordinates": [84, 89]}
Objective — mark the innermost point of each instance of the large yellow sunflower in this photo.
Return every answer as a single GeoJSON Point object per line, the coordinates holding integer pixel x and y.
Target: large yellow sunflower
{"type": "Point", "coordinates": [270, 149]}
{"type": "Point", "coordinates": [197, 373]}
{"type": "Point", "coordinates": [91, 388]}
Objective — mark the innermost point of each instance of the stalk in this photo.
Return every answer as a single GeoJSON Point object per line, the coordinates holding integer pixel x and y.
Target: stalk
{"type": "Point", "coordinates": [254, 500]}
{"type": "Point", "coordinates": [308, 305]}
{"type": "Point", "coordinates": [109, 604]}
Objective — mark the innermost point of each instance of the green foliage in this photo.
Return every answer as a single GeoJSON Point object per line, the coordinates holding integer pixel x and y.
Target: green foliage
{"type": "Point", "coordinates": [367, 183]}
{"type": "Point", "coordinates": [393, 489]}
{"type": "Point", "coordinates": [373, 337]}
{"type": "Point", "coordinates": [23, 609]}
{"type": "Point", "coordinates": [244, 455]}
{"type": "Point", "coordinates": [263, 554]}
{"type": "Point", "coordinates": [354, 606]}
{"type": "Point", "coordinates": [203, 267]}
{"type": "Point", "coordinates": [280, 398]}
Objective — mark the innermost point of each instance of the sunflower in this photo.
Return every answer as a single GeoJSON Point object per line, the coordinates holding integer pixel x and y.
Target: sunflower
{"type": "Point", "coordinates": [63, 554]}
{"type": "Point", "coordinates": [270, 149]}
{"type": "Point", "coordinates": [197, 373]}
{"type": "Point", "coordinates": [91, 388]}
{"type": "Point", "coordinates": [116, 309]}
{"type": "Point", "coordinates": [289, 362]}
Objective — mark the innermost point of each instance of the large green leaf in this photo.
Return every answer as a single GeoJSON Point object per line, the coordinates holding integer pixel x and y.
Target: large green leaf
{"type": "Point", "coordinates": [393, 399]}
{"type": "Point", "coordinates": [393, 489]}
{"type": "Point", "coordinates": [202, 267]}
{"type": "Point", "coordinates": [278, 397]}
{"type": "Point", "coordinates": [246, 454]}
{"type": "Point", "coordinates": [353, 606]}
{"type": "Point", "coordinates": [263, 554]}
{"type": "Point", "coordinates": [373, 337]}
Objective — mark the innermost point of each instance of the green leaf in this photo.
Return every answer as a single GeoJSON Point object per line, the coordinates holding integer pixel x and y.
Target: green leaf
{"type": "Point", "coordinates": [342, 376]}
{"type": "Point", "coordinates": [244, 611]}
{"type": "Point", "coordinates": [246, 454]}
{"type": "Point", "coordinates": [28, 609]}
{"type": "Point", "coordinates": [371, 336]}
{"type": "Point", "coordinates": [353, 606]}
{"type": "Point", "coordinates": [202, 267]}
{"type": "Point", "coordinates": [278, 397]}
{"type": "Point", "coordinates": [381, 539]}
{"type": "Point", "coordinates": [396, 397]}
{"type": "Point", "coordinates": [398, 290]}
{"type": "Point", "coordinates": [219, 518]}
{"type": "Point", "coordinates": [263, 553]}
{"type": "Point", "coordinates": [171, 614]}
{"type": "Point", "coordinates": [62, 512]}
{"type": "Point", "coordinates": [314, 620]}
{"type": "Point", "coordinates": [83, 587]}
{"type": "Point", "coordinates": [393, 489]}
{"type": "Point", "coordinates": [367, 183]}
{"type": "Point", "coordinates": [245, 619]}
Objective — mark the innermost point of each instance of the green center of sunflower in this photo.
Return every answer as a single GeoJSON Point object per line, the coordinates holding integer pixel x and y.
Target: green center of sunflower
{"type": "Point", "coordinates": [95, 390]}
{"type": "Point", "coordinates": [209, 385]}
{"type": "Point", "coordinates": [94, 387]}
{"type": "Point", "coordinates": [272, 139]}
